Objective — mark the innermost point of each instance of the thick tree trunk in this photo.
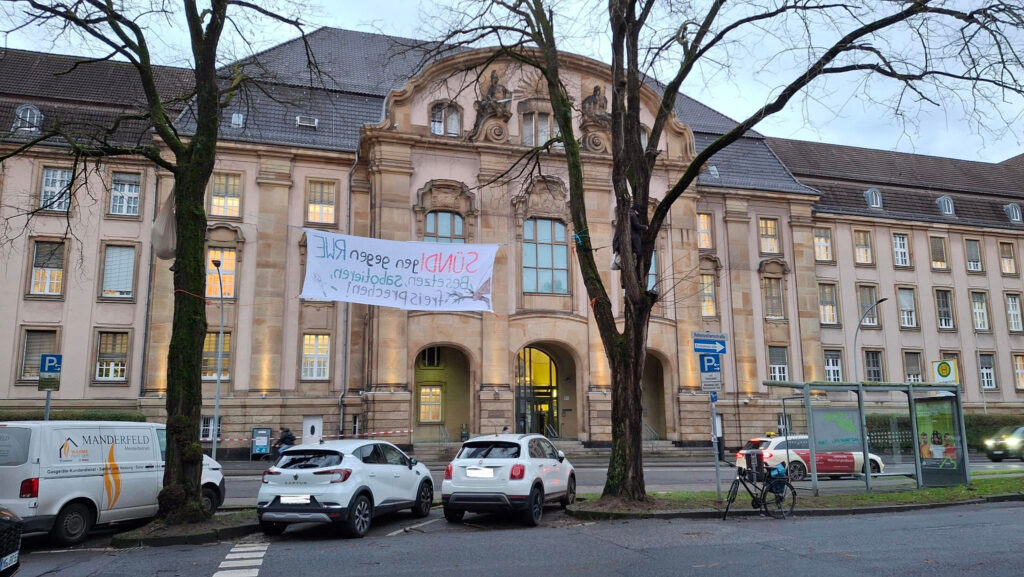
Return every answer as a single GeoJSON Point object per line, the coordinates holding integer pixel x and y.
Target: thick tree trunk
{"type": "Point", "coordinates": [180, 500]}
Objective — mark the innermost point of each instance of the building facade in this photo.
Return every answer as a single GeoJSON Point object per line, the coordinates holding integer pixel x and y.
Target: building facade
{"type": "Point", "coordinates": [396, 152]}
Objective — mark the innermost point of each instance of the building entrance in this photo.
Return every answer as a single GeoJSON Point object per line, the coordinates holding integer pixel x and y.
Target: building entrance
{"type": "Point", "coordinates": [536, 393]}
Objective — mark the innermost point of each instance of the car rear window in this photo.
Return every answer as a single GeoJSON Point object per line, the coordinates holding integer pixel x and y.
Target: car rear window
{"type": "Point", "coordinates": [309, 459]}
{"type": "Point", "coordinates": [14, 445]}
{"type": "Point", "coordinates": [757, 444]}
{"type": "Point", "coordinates": [489, 450]}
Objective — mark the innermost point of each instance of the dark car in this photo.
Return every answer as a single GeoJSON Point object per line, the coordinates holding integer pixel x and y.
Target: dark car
{"type": "Point", "coordinates": [10, 542]}
{"type": "Point", "coordinates": [1007, 443]}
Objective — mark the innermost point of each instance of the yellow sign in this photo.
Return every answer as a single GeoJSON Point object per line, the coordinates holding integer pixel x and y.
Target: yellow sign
{"type": "Point", "coordinates": [944, 372]}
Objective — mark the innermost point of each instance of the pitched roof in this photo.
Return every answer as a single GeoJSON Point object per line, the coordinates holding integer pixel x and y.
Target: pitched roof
{"type": "Point", "coordinates": [747, 163]}
{"type": "Point", "coordinates": [1017, 161]}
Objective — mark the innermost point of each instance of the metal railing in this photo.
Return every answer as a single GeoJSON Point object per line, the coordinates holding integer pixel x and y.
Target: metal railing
{"type": "Point", "coordinates": [444, 440]}
{"type": "Point", "coordinates": [650, 436]}
{"type": "Point", "coordinates": [551, 432]}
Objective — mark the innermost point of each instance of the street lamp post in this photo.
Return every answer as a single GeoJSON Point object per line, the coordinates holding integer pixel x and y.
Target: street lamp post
{"type": "Point", "coordinates": [215, 428]}
{"type": "Point", "coordinates": [860, 395]}
{"type": "Point", "coordinates": [856, 334]}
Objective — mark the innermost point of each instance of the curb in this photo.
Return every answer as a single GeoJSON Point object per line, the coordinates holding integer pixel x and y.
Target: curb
{"type": "Point", "coordinates": [211, 536]}
{"type": "Point", "coordinates": [717, 514]}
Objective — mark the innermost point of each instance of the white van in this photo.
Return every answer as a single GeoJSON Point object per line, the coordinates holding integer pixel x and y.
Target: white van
{"type": "Point", "coordinates": [65, 476]}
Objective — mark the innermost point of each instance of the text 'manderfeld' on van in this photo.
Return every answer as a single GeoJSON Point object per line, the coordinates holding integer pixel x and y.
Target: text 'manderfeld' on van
{"type": "Point", "coordinates": [63, 477]}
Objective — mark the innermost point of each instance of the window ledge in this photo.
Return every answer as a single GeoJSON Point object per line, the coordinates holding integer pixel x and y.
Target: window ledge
{"type": "Point", "coordinates": [124, 217]}
{"type": "Point", "coordinates": [96, 383]}
{"type": "Point", "coordinates": [326, 226]}
{"type": "Point", "coordinates": [946, 269]}
{"type": "Point", "coordinates": [42, 212]}
{"type": "Point", "coordinates": [126, 300]}
{"type": "Point", "coordinates": [35, 297]}
{"type": "Point", "coordinates": [952, 330]}
{"type": "Point", "coordinates": [301, 380]}
{"type": "Point", "coordinates": [864, 327]}
{"type": "Point", "coordinates": [26, 382]}
{"type": "Point", "coordinates": [831, 325]}
{"type": "Point", "coordinates": [828, 262]}
{"type": "Point", "coordinates": [908, 267]}
{"type": "Point", "coordinates": [915, 329]}
{"type": "Point", "coordinates": [770, 254]}
{"type": "Point", "coordinates": [547, 294]}
{"type": "Point", "coordinates": [212, 219]}
{"type": "Point", "coordinates": [983, 332]}
{"type": "Point", "coordinates": [864, 264]}
{"type": "Point", "coordinates": [1010, 274]}
{"type": "Point", "coordinates": [977, 272]}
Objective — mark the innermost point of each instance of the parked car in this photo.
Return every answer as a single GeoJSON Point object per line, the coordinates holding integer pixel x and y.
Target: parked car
{"type": "Point", "coordinates": [345, 483]}
{"type": "Point", "coordinates": [10, 542]}
{"type": "Point", "coordinates": [834, 464]}
{"type": "Point", "coordinates": [1007, 443]}
{"type": "Point", "coordinates": [63, 477]}
{"type": "Point", "coordinates": [507, 473]}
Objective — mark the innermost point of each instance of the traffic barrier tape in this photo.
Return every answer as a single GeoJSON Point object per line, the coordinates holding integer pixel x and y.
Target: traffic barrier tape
{"type": "Point", "coordinates": [372, 434]}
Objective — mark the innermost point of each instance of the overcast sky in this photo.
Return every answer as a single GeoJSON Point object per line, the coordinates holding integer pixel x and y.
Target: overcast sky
{"type": "Point", "coordinates": [830, 114]}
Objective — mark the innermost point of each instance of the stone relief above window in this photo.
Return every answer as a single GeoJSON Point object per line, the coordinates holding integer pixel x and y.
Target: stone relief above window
{"type": "Point", "coordinates": [446, 196]}
{"type": "Point", "coordinates": [544, 197]}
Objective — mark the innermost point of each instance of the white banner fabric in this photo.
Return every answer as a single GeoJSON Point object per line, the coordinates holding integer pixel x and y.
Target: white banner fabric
{"type": "Point", "coordinates": [418, 276]}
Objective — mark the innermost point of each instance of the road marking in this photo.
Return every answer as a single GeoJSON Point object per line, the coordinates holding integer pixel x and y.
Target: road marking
{"type": "Point", "coordinates": [243, 560]}
{"type": "Point", "coordinates": [411, 527]}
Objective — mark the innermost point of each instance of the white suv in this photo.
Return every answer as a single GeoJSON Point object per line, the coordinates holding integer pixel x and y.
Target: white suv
{"type": "Point", "coordinates": [346, 483]}
{"type": "Point", "coordinates": [507, 473]}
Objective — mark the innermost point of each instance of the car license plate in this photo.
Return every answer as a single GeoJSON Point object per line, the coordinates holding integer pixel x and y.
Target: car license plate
{"type": "Point", "coordinates": [9, 561]}
{"type": "Point", "coordinates": [997, 452]}
{"type": "Point", "coordinates": [480, 472]}
{"type": "Point", "coordinates": [295, 499]}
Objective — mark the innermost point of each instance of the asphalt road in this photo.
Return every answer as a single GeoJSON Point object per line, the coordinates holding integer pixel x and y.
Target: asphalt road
{"type": "Point", "coordinates": [242, 490]}
{"type": "Point", "coordinates": [955, 541]}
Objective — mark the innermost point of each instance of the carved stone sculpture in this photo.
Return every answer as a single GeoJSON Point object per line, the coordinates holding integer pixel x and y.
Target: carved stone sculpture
{"type": "Point", "coordinates": [492, 112]}
{"type": "Point", "coordinates": [596, 124]}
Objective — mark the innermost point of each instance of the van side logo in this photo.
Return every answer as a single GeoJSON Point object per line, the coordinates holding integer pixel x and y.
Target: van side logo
{"type": "Point", "coordinates": [112, 479]}
{"type": "Point", "coordinates": [65, 448]}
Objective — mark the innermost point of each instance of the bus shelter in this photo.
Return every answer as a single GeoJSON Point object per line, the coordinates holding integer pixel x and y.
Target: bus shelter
{"type": "Point", "coordinates": [940, 438]}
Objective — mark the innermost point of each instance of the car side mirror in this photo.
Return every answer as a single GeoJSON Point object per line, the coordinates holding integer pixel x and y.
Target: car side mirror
{"type": "Point", "coordinates": [561, 456]}
{"type": "Point", "coordinates": [412, 462]}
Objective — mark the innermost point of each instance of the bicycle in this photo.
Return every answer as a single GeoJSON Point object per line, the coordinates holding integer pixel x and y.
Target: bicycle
{"type": "Point", "coordinates": [775, 495]}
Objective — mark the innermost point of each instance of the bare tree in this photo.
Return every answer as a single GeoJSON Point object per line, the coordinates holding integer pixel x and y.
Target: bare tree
{"type": "Point", "coordinates": [925, 51]}
{"type": "Point", "coordinates": [125, 31]}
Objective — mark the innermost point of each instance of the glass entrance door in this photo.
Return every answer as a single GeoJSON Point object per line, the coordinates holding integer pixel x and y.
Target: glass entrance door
{"type": "Point", "coordinates": [536, 393]}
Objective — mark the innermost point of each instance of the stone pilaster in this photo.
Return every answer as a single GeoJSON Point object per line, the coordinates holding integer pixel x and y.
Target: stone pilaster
{"type": "Point", "coordinates": [740, 304]}
{"type": "Point", "coordinates": [806, 285]}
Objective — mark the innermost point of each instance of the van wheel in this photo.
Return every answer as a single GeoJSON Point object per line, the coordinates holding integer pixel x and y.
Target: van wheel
{"type": "Point", "coordinates": [211, 500]}
{"type": "Point", "coordinates": [272, 529]}
{"type": "Point", "coordinates": [72, 524]}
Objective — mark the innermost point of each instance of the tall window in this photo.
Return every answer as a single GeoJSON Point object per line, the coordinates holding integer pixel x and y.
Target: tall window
{"type": "Point", "coordinates": [118, 271]}
{"type": "Point", "coordinates": [536, 128]}
{"type": "Point", "coordinates": [209, 366]}
{"type": "Point", "coordinates": [944, 308]}
{"type": "Point", "coordinates": [900, 250]}
{"type": "Point", "coordinates": [1014, 321]}
{"type": "Point", "coordinates": [973, 248]}
{"type": "Point", "coordinates": [227, 258]}
{"type": "Point", "coordinates": [430, 404]}
{"type": "Point", "coordinates": [938, 249]}
{"type": "Point", "coordinates": [979, 310]}
{"type": "Point", "coordinates": [908, 307]}
{"type": "Point", "coordinates": [705, 238]}
{"type": "Point", "coordinates": [773, 302]}
{"type": "Point", "coordinates": [652, 273]}
{"type": "Point", "coordinates": [445, 120]}
{"type": "Point", "coordinates": [912, 367]}
{"type": "Point", "coordinates": [1007, 260]}
{"type": "Point", "coordinates": [37, 343]}
{"type": "Point", "coordinates": [320, 199]}
{"type": "Point", "coordinates": [112, 357]}
{"type": "Point", "coordinates": [206, 426]}
{"type": "Point", "coordinates": [47, 268]}
{"type": "Point", "coordinates": [823, 244]}
{"type": "Point", "coordinates": [444, 227]}
{"type": "Point", "coordinates": [873, 367]}
{"type": "Point", "coordinates": [1018, 371]}
{"type": "Point", "coordinates": [430, 358]}
{"type": "Point", "coordinates": [226, 195]}
{"type": "Point", "coordinates": [769, 232]}
{"type": "Point", "coordinates": [708, 303]}
{"type": "Point", "coordinates": [545, 257]}
{"type": "Point", "coordinates": [868, 296]}
{"type": "Point", "coordinates": [862, 247]}
{"type": "Point", "coordinates": [827, 308]}
{"type": "Point", "coordinates": [778, 364]}
{"type": "Point", "coordinates": [834, 366]}
{"type": "Point", "coordinates": [124, 194]}
{"type": "Point", "coordinates": [316, 357]}
{"type": "Point", "coordinates": [56, 191]}
{"type": "Point", "coordinates": [987, 370]}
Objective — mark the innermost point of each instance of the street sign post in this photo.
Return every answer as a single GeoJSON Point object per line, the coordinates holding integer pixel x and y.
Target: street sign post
{"type": "Point", "coordinates": [710, 373]}
{"type": "Point", "coordinates": [709, 342]}
{"type": "Point", "coordinates": [714, 446]}
{"type": "Point", "coordinates": [49, 378]}
{"type": "Point", "coordinates": [710, 347]}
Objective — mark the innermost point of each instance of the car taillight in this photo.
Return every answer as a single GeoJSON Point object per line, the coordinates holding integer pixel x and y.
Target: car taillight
{"type": "Point", "coordinates": [30, 488]}
{"type": "Point", "coordinates": [269, 472]}
{"type": "Point", "coordinates": [343, 474]}
{"type": "Point", "coordinates": [767, 455]}
{"type": "Point", "coordinates": [448, 471]}
{"type": "Point", "coordinates": [518, 472]}
{"type": "Point", "coordinates": [739, 455]}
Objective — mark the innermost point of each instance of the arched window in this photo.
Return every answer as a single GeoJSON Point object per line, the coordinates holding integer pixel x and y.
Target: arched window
{"type": "Point", "coordinates": [946, 206]}
{"type": "Point", "coordinates": [27, 118]}
{"type": "Point", "coordinates": [874, 197]}
{"type": "Point", "coordinates": [545, 257]}
{"type": "Point", "coordinates": [1013, 212]}
{"type": "Point", "coordinates": [445, 227]}
{"type": "Point", "coordinates": [445, 119]}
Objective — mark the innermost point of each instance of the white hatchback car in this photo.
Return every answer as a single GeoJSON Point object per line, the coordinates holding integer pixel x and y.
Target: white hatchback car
{"type": "Point", "coordinates": [507, 473]}
{"type": "Point", "coordinates": [834, 464]}
{"type": "Point", "coordinates": [345, 483]}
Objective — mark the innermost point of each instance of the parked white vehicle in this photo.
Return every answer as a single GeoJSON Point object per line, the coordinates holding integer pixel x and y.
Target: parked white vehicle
{"type": "Point", "coordinates": [346, 483]}
{"type": "Point", "coordinates": [835, 464]}
{"type": "Point", "coordinates": [66, 476]}
{"type": "Point", "coordinates": [507, 473]}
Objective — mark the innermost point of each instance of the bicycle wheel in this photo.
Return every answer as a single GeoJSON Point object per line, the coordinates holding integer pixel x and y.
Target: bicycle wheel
{"type": "Point", "coordinates": [778, 498]}
{"type": "Point", "coordinates": [731, 496]}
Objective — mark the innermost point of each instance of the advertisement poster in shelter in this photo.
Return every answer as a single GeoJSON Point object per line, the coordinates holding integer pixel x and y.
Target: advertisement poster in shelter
{"type": "Point", "coordinates": [939, 443]}
{"type": "Point", "coordinates": [419, 276]}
